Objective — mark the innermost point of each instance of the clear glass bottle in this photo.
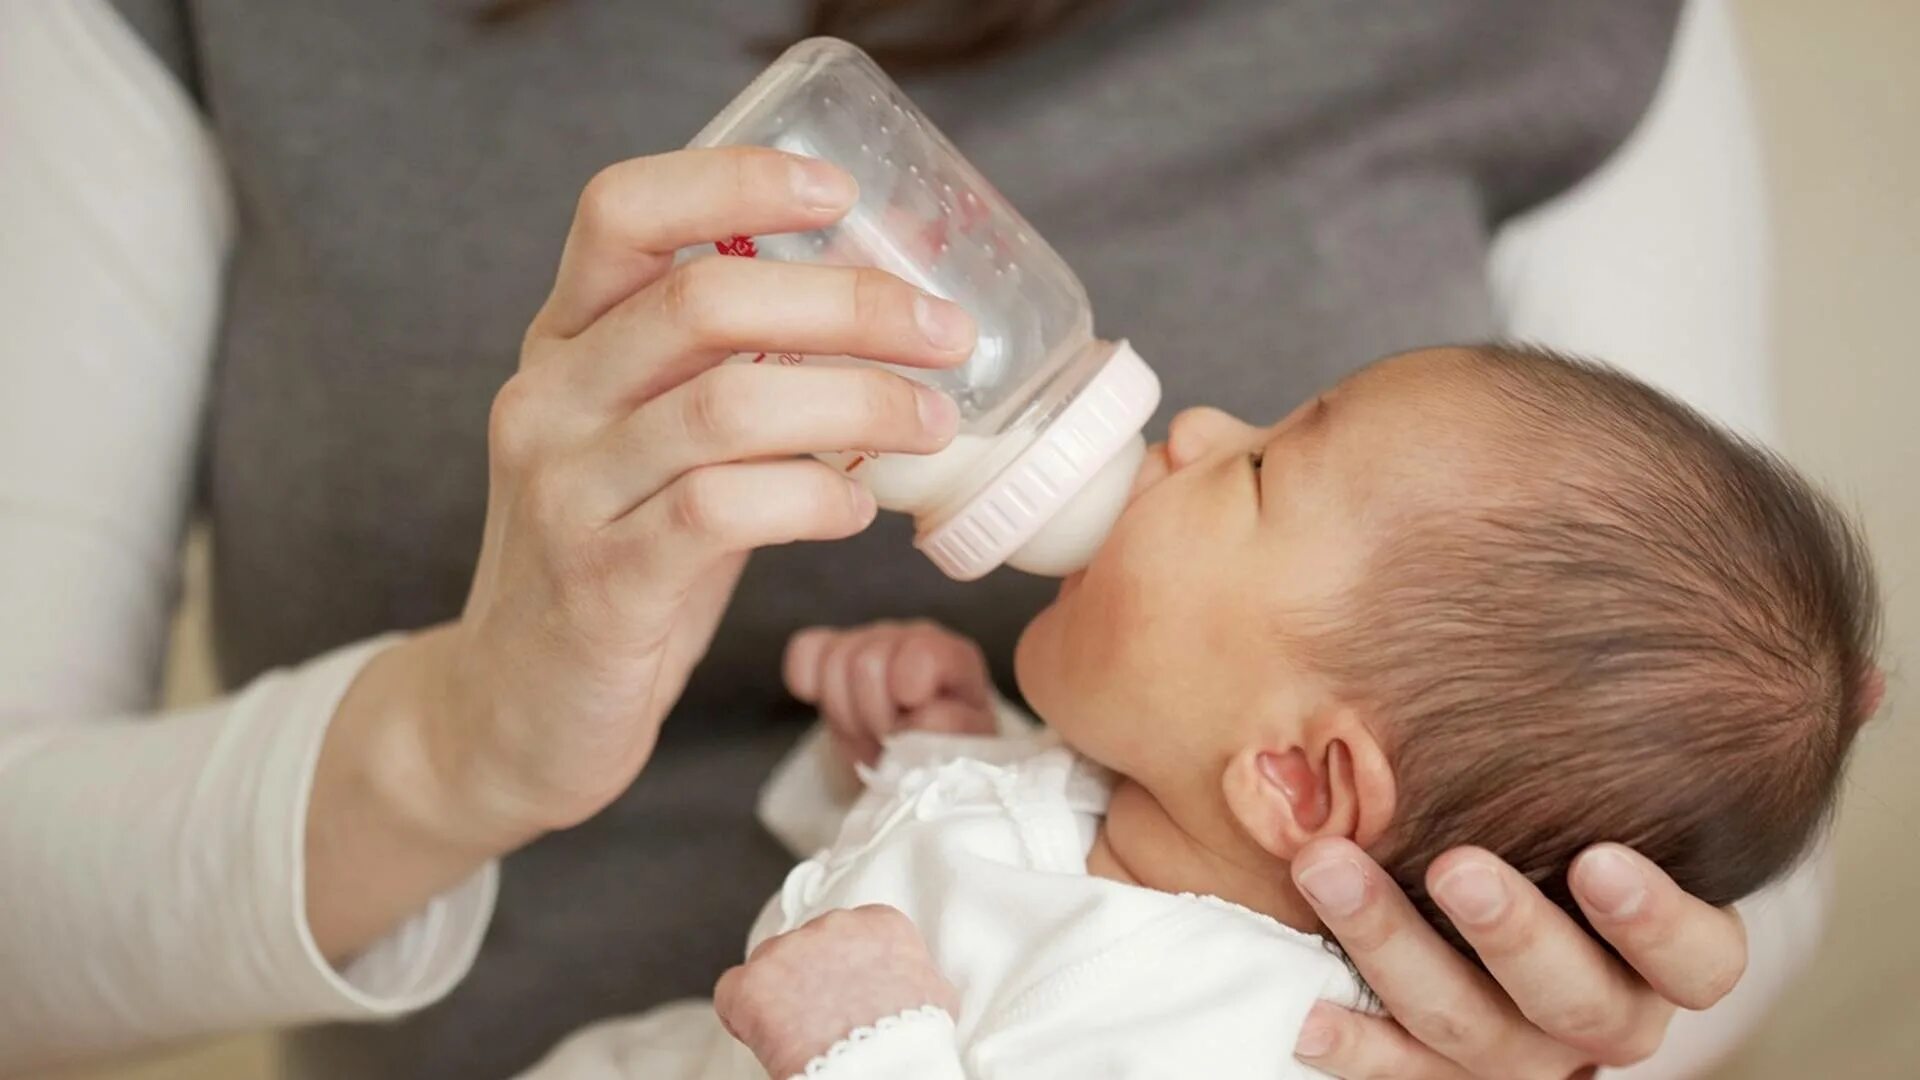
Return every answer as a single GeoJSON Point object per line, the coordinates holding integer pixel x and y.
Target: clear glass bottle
{"type": "Point", "coordinates": [1050, 416]}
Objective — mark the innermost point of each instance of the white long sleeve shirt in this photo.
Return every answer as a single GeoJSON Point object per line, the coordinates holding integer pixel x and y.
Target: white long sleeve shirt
{"type": "Point", "coordinates": [150, 863]}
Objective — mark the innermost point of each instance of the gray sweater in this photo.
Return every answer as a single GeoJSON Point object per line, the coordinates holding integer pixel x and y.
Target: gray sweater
{"type": "Point", "coordinates": [1262, 195]}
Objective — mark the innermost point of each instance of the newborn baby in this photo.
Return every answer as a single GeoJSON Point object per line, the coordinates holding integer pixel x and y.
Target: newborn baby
{"type": "Point", "coordinates": [1480, 596]}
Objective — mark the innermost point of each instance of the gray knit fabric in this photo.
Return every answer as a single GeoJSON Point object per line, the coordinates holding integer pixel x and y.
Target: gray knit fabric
{"type": "Point", "coordinates": [1261, 194]}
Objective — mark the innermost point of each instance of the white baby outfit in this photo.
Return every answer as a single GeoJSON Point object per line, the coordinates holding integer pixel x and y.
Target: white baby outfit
{"type": "Point", "coordinates": [982, 842]}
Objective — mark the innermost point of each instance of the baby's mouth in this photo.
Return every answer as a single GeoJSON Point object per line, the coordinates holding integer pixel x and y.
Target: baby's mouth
{"type": "Point", "coordinates": [1153, 468]}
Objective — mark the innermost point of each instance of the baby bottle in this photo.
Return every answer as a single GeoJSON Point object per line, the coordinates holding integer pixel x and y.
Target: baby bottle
{"type": "Point", "coordinates": [1050, 416]}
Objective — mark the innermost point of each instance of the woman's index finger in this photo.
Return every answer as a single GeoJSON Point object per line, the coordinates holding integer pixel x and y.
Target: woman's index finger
{"type": "Point", "coordinates": [634, 215]}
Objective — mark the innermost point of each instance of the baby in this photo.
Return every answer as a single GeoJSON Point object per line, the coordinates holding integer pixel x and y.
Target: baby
{"type": "Point", "coordinates": [1484, 596]}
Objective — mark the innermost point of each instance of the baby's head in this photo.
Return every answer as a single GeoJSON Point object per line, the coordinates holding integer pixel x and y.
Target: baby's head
{"type": "Point", "coordinates": [1480, 596]}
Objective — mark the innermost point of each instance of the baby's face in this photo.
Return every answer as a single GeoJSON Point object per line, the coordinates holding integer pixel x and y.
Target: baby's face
{"type": "Point", "coordinates": [1239, 540]}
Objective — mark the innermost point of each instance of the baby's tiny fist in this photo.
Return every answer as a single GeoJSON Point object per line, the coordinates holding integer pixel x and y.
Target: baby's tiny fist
{"type": "Point", "coordinates": [872, 681]}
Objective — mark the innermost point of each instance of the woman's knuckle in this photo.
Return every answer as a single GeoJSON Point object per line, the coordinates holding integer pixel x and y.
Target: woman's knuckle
{"type": "Point", "coordinates": [599, 207]}
{"type": "Point", "coordinates": [715, 408]}
{"type": "Point", "coordinates": [510, 421]}
{"type": "Point", "coordinates": [1589, 1023]}
{"type": "Point", "coordinates": [693, 297]}
{"type": "Point", "coordinates": [870, 291]}
{"type": "Point", "coordinates": [885, 401]}
{"type": "Point", "coordinates": [1437, 1026]}
{"type": "Point", "coordinates": [1714, 983]}
{"type": "Point", "coordinates": [696, 508]}
{"type": "Point", "coordinates": [825, 505]}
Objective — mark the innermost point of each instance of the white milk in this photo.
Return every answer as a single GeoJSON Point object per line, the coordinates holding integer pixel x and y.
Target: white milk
{"type": "Point", "coordinates": [914, 483]}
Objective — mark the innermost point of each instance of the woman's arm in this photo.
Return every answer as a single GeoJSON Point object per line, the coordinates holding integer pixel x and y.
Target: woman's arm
{"type": "Point", "coordinates": [152, 868]}
{"type": "Point", "coordinates": [162, 882]}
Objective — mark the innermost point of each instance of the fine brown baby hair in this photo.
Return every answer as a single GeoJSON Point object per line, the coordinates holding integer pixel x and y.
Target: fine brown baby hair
{"type": "Point", "coordinates": [1648, 631]}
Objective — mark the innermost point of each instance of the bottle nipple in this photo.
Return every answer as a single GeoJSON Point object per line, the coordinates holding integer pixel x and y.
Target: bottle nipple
{"type": "Point", "coordinates": [1049, 508]}
{"type": "Point", "coordinates": [1068, 540]}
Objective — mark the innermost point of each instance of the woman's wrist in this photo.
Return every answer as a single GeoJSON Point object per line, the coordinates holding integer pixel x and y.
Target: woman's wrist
{"type": "Point", "coordinates": [396, 816]}
{"type": "Point", "coordinates": [445, 780]}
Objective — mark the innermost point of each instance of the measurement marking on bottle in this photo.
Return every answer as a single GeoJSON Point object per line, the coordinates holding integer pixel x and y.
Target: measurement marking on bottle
{"type": "Point", "coordinates": [742, 245]}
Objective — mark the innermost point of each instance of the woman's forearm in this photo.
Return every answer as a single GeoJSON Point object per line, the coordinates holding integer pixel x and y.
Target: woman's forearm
{"type": "Point", "coordinates": [151, 873]}
{"type": "Point", "coordinates": [388, 829]}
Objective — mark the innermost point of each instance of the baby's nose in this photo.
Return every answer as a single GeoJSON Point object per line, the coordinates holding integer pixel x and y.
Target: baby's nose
{"type": "Point", "coordinates": [1196, 432]}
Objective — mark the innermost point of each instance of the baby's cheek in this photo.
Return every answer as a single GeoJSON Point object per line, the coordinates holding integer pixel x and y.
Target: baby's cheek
{"type": "Point", "coordinates": [1119, 630]}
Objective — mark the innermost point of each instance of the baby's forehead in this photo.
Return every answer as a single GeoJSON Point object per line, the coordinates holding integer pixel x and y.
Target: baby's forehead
{"type": "Point", "coordinates": [1434, 410]}
{"type": "Point", "coordinates": [1444, 372]}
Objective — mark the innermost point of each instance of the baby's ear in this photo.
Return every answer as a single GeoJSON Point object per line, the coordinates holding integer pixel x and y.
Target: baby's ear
{"type": "Point", "coordinates": [1873, 691]}
{"type": "Point", "coordinates": [1331, 780]}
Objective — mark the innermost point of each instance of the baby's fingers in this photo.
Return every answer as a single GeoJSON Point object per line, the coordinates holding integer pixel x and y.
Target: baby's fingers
{"type": "Point", "coordinates": [848, 704]}
{"type": "Point", "coordinates": [952, 717]}
{"type": "Point", "coordinates": [933, 662]}
{"type": "Point", "coordinates": [869, 661]}
{"type": "Point", "coordinates": [801, 667]}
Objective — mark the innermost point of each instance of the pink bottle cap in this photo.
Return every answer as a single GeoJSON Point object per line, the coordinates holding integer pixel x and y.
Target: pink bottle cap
{"type": "Point", "coordinates": [1097, 424]}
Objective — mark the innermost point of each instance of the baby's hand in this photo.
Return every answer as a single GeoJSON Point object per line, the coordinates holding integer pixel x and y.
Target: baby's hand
{"type": "Point", "coordinates": [803, 991]}
{"type": "Point", "coordinates": [873, 680]}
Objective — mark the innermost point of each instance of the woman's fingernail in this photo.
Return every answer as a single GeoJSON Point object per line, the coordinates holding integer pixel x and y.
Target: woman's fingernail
{"type": "Point", "coordinates": [1473, 894]}
{"type": "Point", "coordinates": [939, 416]}
{"type": "Point", "coordinates": [1316, 1036]}
{"type": "Point", "coordinates": [1336, 886]}
{"type": "Point", "coordinates": [820, 186]}
{"type": "Point", "coordinates": [1610, 882]}
{"type": "Point", "coordinates": [945, 325]}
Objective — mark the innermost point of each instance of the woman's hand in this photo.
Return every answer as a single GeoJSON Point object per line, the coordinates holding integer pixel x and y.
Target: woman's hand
{"type": "Point", "coordinates": [803, 991]}
{"type": "Point", "coordinates": [1557, 1003]}
{"type": "Point", "coordinates": [630, 475]}
{"type": "Point", "coordinates": [873, 680]}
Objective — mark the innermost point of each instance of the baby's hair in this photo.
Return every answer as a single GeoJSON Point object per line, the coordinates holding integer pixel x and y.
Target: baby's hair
{"type": "Point", "coordinates": [1647, 630]}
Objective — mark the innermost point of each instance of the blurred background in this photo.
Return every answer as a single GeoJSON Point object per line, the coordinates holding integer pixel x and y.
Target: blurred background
{"type": "Point", "coordinates": [1837, 94]}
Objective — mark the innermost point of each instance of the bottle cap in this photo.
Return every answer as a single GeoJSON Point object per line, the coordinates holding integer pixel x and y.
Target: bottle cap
{"type": "Point", "coordinates": [1063, 459]}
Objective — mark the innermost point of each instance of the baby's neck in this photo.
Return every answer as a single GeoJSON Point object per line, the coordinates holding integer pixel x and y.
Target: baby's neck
{"type": "Point", "coordinates": [1141, 844]}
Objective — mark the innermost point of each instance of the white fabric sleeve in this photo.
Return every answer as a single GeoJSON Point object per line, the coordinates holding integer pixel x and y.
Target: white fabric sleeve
{"type": "Point", "coordinates": [811, 791]}
{"type": "Point", "coordinates": [920, 1043]}
{"type": "Point", "coordinates": [1658, 263]}
{"type": "Point", "coordinates": [150, 864]}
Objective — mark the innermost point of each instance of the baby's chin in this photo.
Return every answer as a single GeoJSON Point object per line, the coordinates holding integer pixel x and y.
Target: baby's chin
{"type": "Point", "coordinates": [1034, 656]}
